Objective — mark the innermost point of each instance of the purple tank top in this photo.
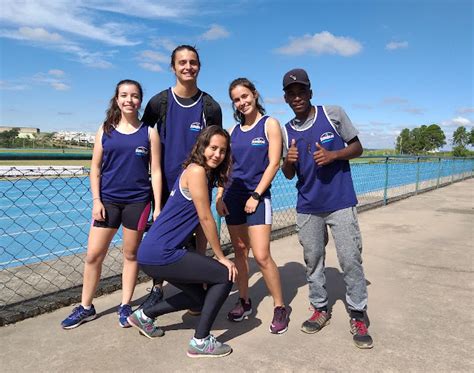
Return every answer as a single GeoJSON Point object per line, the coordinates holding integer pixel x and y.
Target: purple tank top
{"type": "Point", "coordinates": [326, 188]}
{"type": "Point", "coordinates": [163, 243]}
{"type": "Point", "coordinates": [249, 157]}
{"type": "Point", "coordinates": [125, 166]}
{"type": "Point", "coordinates": [183, 125]}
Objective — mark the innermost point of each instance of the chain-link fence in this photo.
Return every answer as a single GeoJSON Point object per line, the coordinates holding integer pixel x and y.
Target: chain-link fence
{"type": "Point", "coordinates": [45, 216]}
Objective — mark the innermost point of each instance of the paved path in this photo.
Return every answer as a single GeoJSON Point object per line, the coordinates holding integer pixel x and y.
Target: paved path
{"type": "Point", "coordinates": [418, 257]}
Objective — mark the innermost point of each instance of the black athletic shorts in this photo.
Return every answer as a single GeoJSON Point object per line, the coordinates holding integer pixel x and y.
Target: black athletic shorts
{"type": "Point", "coordinates": [131, 215]}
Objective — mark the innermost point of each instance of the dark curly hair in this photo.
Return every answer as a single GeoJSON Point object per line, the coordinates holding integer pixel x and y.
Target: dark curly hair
{"type": "Point", "coordinates": [244, 82]}
{"type": "Point", "coordinates": [113, 113]}
{"type": "Point", "coordinates": [217, 176]}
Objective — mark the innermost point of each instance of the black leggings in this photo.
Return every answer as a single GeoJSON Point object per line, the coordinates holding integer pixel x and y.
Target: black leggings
{"type": "Point", "coordinates": [188, 274]}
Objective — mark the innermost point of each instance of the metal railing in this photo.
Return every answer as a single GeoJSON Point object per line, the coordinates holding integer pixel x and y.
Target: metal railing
{"type": "Point", "coordinates": [45, 214]}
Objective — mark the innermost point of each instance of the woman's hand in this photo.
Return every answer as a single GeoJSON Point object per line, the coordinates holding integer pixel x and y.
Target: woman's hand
{"type": "Point", "coordinates": [251, 205]}
{"type": "Point", "coordinates": [231, 267]}
{"type": "Point", "coordinates": [221, 207]}
{"type": "Point", "coordinates": [98, 210]}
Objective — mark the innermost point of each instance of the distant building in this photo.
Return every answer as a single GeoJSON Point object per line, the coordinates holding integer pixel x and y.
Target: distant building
{"type": "Point", "coordinates": [24, 132]}
{"type": "Point", "coordinates": [82, 137]}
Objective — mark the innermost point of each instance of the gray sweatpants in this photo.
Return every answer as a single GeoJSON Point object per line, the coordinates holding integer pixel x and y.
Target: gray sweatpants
{"type": "Point", "coordinates": [345, 231]}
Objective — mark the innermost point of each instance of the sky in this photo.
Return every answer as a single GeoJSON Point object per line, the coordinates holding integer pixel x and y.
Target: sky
{"type": "Point", "coordinates": [390, 64]}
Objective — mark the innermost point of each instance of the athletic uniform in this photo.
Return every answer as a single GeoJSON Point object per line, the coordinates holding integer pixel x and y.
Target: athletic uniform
{"type": "Point", "coordinates": [125, 188]}
{"type": "Point", "coordinates": [162, 255]}
{"type": "Point", "coordinates": [326, 196]}
{"type": "Point", "coordinates": [178, 128]}
{"type": "Point", "coordinates": [250, 159]}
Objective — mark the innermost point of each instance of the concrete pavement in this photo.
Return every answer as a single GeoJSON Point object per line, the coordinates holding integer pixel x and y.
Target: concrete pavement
{"type": "Point", "coordinates": [418, 258]}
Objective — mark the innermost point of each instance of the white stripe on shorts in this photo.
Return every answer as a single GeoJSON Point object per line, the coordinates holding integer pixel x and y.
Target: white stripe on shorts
{"type": "Point", "coordinates": [268, 210]}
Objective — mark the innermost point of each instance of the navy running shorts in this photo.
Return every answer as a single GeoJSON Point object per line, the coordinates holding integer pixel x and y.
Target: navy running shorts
{"type": "Point", "coordinates": [235, 205]}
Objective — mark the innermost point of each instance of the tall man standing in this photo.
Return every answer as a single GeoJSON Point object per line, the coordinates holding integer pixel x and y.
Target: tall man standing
{"type": "Point", "coordinates": [180, 113]}
{"type": "Point", "coordinates": [315, 150]}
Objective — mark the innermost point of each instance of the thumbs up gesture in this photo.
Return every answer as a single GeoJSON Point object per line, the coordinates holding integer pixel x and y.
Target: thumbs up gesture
{"type": "Point", "coordinates": [292, 155]}
{"type": "Point", "coordinates": [322, 156]}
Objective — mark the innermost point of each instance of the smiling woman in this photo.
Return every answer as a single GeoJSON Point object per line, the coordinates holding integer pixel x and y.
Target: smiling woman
{"type": "Point", "coordinates": [124, 151]}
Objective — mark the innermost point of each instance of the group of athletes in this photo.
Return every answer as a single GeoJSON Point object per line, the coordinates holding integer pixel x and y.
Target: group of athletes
{"type": "Point", "coordinates": [188, 154]}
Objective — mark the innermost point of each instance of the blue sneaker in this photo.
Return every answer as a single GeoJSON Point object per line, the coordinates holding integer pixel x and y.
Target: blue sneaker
{"type": "Point", "coordinates": [155, 296]}
{"type": "Point", "coordinates": [78, 316]}
{"type": "Point", "coordinates": [124, 311]}
{"type": "Point", "coordinates": [144, 324]}
{"type": "Point", "coordinates": [210, 347]}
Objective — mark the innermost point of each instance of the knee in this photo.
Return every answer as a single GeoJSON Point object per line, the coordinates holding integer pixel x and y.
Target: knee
{"type": "Point", "coordinates": [264, 260]}
{"type": "Point", "coordinates": [130, 255]}
{"type": "Point", "coordinates": [241, 250]}
{"type": "Point", "coordinates": [95, 259]}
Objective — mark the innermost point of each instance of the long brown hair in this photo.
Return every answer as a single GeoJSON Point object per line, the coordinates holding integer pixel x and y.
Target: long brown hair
{"type": "Point", "coordinates": [113, 113]}
{"type": "Point", "coordinates": [244, 82]}
{"type": "Point", "coordinates": [217, 176]}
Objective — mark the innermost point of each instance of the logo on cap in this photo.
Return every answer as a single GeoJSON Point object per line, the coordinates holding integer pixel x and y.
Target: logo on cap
{"type": "Point", "coordinates": [293, 77]}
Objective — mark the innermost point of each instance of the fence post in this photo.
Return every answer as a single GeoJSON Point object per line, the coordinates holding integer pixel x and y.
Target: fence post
{"type": "Point", "coordinates": [386, 182]}
{"type": "Point", "coordinates": [417, 174]}
{"type": "Point", "coordinates": [453, 170]}
{"type": "Point", "coordinates": [439, 172]}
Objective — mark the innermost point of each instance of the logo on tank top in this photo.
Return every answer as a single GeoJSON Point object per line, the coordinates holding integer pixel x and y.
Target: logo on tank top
{"type": "Point", "coordinates": [258, 141]}
{"type": "Point", "coordinates": [326, 137]}
{"type": "Point", "coordinates": [172, 192]}
{"type": "Point", "coordinates": [141, 151]}
{"type": "Point", "coordinates": [195, 127]}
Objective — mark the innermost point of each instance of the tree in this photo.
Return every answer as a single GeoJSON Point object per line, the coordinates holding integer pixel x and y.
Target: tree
{"type": "Point", "coordinates": [8, 137]}
{"type": "Point", "coordinates": [434, 137]}
{"type": "Point", "coordinates": [471, 139]}
{"type": "Point", "coordinates": [461, 137]}
{"type": "Point", "coordinates": [420, 139]}
{"type": "Point", "coordinates": [403, 142]}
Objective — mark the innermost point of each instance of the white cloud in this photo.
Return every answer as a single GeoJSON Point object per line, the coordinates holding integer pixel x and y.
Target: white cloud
{"type": "Point", "coordinates": [215, 32]}
{"type": "Point", "coordinates": [12, 86]}
{"type": "Point", "coordinates": [56, 72]}
{"type": "Point", "coordinates": [151, 66]}
{"type": "Point", "coordinates": [465, 110]}
{"type": "Point", "coordinates": [396, 45]}
{"type": "Point", "coordinates": [274, 100]}
{"type": "Point", "coordinates": [394, 100]}
{"type": "Point", "coordinates": [412, 110]}
{"type": "Point", "coordinates": [154, 56]}
{"type": "Point", "coordinates": [145, 9]}
{"type": "Point", "coordinates": [322, 43]}
{"type": "Point", "coordinates": [165, 43]}
{"type": "Point", "coordinates": [457, 121]}
{"type": "Point", "coordinates": [58, 86]}
{"type": "Point", "coordinates": [34, 18]}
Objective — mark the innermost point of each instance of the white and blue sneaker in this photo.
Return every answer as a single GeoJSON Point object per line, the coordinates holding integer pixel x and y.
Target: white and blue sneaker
{"type": "Point", "coordinates": [78, 316]}
{"type": "Point", "coordinates": [208, 347]}
{"type": "Point", "coordinates": [124, 311]}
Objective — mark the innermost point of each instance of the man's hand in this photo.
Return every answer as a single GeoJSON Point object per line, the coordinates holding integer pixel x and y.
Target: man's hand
{"type": "Point", "coordinates": [323, 157]}
{"type": "Point", "coordinates": [292, 155]}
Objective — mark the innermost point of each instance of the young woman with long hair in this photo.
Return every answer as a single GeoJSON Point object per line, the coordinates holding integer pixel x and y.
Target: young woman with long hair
{"type": "Point", "coordinates": [124, 151]}
{"type": "Point", "coordinates": [162, 254]}
{"type": "Point", "coordinates": [256, 144]}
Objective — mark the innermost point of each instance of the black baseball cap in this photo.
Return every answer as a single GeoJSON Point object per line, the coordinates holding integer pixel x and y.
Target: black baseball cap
{"type": "Point", "coordinates": [296, 76]}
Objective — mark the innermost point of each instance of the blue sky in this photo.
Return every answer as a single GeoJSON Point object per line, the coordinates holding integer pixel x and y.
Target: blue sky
{"type": "Point", "coordinates": [390, 64]}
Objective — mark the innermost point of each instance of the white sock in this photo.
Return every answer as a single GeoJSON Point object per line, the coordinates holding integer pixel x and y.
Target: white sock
{"type": "Point", "coordinates": [87, 308]}
{"type": "Point", "coordinates": [199, 340]}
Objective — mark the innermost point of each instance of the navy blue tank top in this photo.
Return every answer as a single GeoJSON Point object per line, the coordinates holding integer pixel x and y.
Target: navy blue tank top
{"type": "Point", "coordinates": [249, 157]}
{"type": "Point", "coordinates": [182, 127]}
{"type": "Point", "coordinates": [125, 166]}
{"type": "Point", "coordinates": [163, 244]}
{"type": "Point", "coordinates": [321, 188]}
